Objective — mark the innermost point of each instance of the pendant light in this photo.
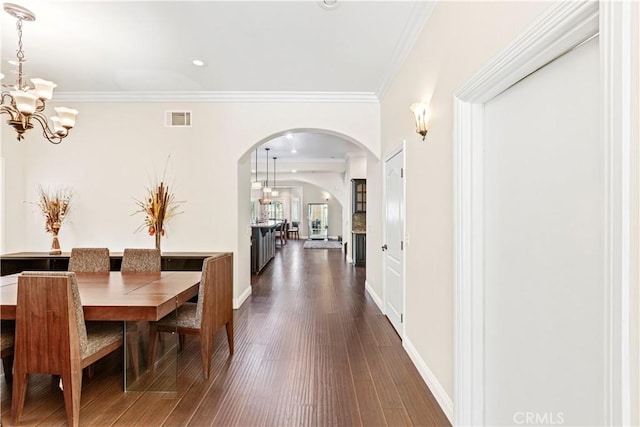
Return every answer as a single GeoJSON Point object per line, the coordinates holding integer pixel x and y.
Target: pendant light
{"type": "Point", "coordinates": [266, 188]}
{"type": "Point", "coordinates": [274, 192]}
{"type": "Point", "coordinates": [256, 185]}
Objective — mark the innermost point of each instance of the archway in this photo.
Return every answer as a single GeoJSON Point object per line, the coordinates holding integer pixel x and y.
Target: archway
{"type": "Point", "coordinates": [333, 179]}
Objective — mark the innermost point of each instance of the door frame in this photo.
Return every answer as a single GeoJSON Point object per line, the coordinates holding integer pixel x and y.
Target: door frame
{"type": "Point", "coordinates": [562, 27]}
{"type": "Point", "coordinates": [399, 149]}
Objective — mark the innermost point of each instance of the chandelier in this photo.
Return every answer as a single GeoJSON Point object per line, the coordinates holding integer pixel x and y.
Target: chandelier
{"type": "Point", "coordinates": [25, 104]}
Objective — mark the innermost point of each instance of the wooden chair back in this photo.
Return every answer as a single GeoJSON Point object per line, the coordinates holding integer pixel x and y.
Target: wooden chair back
{"type": "Point", "coordinates": [50, 328]}
{"type": "Point", "coordinates": [51, 338]}
{"type": "Point", "coordinates": [89, 260]}
{"type": "Point", "coordinates": [214, 294]}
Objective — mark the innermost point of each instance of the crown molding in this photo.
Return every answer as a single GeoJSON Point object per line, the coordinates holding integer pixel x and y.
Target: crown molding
{"type": "Point", "coordinates": [212, 96]}
{"type": "Point", "coordinates": [417, 20]}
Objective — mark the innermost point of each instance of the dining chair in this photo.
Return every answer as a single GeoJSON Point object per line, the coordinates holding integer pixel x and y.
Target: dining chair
{"type": "Point", "coordinates": [138, 261]}
{"type": "Point", "coordinates": [293, 230]}
{"type": "Point", "coordinates": [281, 232]}
{"type": "Point", "coordinates": [204, 318]}
{"type": "Point", "coordinates": [52, 337]}
{"type": "Point", "coordinates": [141, 260]}
{"type": "Point", "coordinates": [89, 260]}
{"type": "Point", "coordinates": [7, 332]}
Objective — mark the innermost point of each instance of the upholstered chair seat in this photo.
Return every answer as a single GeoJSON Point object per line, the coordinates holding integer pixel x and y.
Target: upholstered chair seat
{"type": "Point", "coordinates": [6, 340]}
{"type": "Point", "coordinates": [186, 317]}
{"type": "Point", "coordinates": [100, 335]}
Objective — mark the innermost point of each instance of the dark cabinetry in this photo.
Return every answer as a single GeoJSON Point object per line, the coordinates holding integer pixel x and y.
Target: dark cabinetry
{"type": "Point", "coordinates": [359, 248]}
{"type": "Point", "coordinates": [359, 195]}
{"type": "Point", "coordinates": [263, 246]}
{"type": "Point", "coordinates": [39, 261]}
{"type": "Point", "coordinates": [359, 221]}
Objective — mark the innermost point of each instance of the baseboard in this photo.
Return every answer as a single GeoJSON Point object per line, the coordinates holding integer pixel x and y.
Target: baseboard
{"type": "Point", "coordinates": [443, 399]}
{"type": "Point", "coordinates": [373, 295]}
{"type": "Point", "coordinates": [237, 302]}
{"type": "Point", "coordinates": [350, 260]}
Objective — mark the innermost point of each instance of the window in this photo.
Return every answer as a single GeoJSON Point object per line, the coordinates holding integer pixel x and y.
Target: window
{"type": "Point", "coordinates": [276, 210]}
{"type": "Point", "coordinates": [295, 209]}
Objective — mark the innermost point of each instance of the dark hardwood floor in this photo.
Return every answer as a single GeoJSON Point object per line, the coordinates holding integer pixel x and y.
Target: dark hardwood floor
{"type": "Point", "coordinates": [311, 348]}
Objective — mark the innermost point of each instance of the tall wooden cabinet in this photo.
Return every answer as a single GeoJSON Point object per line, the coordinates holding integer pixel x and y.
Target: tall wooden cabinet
{"type": "Point", "coordinates": [359, 221]}
{"type": "Point", "coordinates": [359, 195]}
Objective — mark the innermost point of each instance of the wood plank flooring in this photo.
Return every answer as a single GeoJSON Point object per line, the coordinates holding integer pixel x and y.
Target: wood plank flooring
{"type": "Point", "coordinates": [312, 349]}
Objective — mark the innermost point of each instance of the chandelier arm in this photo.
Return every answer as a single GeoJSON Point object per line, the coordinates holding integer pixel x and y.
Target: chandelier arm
{"type": "Point", "coordinates": [40, 105]}
{"type": "Point", "coordinates": [6, 94]}
{"type": "Point", "coordinates": [5, 109]}
{"type": "Point", "coordinates": [53, 138]}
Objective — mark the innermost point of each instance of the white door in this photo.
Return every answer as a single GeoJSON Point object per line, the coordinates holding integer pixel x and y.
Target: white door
{"type": "Point", "coordinates": [544, 247]}
{"type": "Point", "coordinates": [393, 243]}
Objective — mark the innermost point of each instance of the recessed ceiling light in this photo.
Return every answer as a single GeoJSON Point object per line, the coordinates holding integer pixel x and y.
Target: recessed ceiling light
{"type": "Point", "coordinates": [198, 63]}
{"type": "Point", "coordinates": [289, 136]}
{"type": "Point", "coordinates": [294, 151]}
{"type": "Point", "coordinates": [293, 171]}
{"type": "Point", "coordinates": [328, 4]}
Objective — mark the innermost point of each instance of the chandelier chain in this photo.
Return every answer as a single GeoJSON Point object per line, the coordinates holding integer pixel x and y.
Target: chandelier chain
{"type": "Point", "coordinates": [20, 53]}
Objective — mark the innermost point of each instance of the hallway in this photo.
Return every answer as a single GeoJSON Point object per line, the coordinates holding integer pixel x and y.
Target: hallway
{"type": "Point", "coordinates": [311, 349]}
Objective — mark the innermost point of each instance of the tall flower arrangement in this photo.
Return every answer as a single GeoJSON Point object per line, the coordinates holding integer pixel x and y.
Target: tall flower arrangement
{"type": "Point", "coordinates": [55, 208]}
{"type": "Point", "coordinates": [159, 206]}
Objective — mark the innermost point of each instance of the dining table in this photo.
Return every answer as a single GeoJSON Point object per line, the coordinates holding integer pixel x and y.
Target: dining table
{"type": "Point", "coordinates": [128, 297]}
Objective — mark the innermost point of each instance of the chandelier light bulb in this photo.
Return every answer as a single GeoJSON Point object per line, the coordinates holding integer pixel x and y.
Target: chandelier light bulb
{"type": "Point", "coordinates": [57, 126]}
{"type": "Point", "coordinates": [43, 88]}
{"type": "Point", "coordinates": [67, 116]}
{"type": "Point", "coordinates": [25, 102]}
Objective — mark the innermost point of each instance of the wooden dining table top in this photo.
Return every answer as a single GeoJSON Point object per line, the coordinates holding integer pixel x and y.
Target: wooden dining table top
{"type": "Point", "coordinates": [119, 296]}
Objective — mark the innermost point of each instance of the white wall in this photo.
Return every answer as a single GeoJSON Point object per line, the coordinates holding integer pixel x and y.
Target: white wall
{"type": "Point", "coordinates": [12, 176]}
{"type": "Point", "coordinates": [115, 146]}
{"type": "Point", "coordinates": [458, 39]}
{"type": "Point", "coordinates": [544, 246]}
{"type": "Point", "coordinates": [634, 315]}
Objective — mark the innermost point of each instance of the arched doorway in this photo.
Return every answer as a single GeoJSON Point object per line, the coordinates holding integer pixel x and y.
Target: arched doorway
{"type": "Point", "coordinates": [313, 166]}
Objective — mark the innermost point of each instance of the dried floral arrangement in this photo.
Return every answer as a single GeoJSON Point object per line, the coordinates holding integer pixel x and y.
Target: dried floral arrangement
{"type": "Point", "coordinates": [55, 205]}
{"type": "Point", "coordinates": [159, 206]}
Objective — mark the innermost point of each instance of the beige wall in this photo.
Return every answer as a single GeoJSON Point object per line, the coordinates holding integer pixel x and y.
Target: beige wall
{"type": "Point", "coordinates": [12, 185]}
{"type": "Point", "coordinates": [459, 38]}
{"type": "Point", "coordinates": [114, 149]}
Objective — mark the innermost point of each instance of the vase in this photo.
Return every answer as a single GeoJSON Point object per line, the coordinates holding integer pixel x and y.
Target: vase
{"type": "Point", "coordinates": [55, 244]}
{"type": "Point", "coordinates": [158, 237]}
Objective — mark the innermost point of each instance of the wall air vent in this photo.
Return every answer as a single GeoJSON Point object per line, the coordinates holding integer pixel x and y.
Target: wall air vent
{"type": "Point", "coordinates": [178, 119]}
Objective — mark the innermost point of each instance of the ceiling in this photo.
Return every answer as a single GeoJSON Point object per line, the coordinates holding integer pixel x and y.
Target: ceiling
{"type": "Point", "coordinates": [247, 46]}
{"type": "Point", "coordinates": [305, 152]}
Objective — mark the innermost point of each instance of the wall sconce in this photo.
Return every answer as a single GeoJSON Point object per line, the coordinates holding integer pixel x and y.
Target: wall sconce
{"type": "Point", "coordinates": [421, 114]}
